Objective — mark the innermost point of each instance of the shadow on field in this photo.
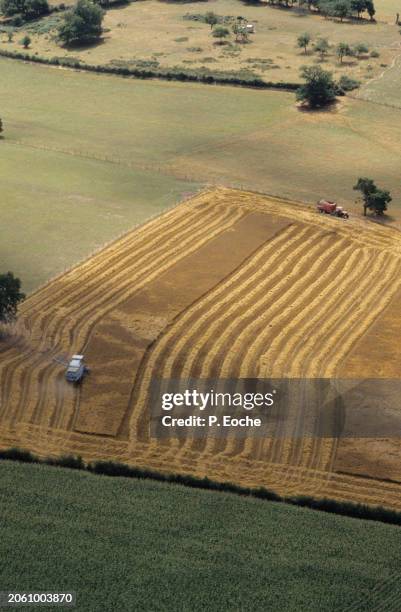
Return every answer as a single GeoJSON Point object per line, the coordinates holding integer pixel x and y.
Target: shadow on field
{"type": "Point", "coordinates": [329, 109]}
{"type": "Point", "coordinates": [182, 1]}
{"type": "Point", "coordinates": [83, 46]}
{"type": "Point", "coordinates": [385, 219]}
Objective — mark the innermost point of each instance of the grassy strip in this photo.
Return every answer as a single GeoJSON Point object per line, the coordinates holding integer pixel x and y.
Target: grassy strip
{"type": "Point", "coordinates": [139, 73]}
{"type": "Point", "coordinates": [110, 468]}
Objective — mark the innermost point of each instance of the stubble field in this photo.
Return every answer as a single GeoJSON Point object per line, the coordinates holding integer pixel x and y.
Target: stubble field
{"type": "Point", "coordinates": [152, 306]}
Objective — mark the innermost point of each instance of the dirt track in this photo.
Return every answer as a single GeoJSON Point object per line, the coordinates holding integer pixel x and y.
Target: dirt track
{"type": "Point", "coordinates": [228, 284]}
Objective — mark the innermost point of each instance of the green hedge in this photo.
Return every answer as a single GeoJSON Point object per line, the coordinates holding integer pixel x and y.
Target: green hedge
{"type": "Point", "coordinates": [140, 73]}
{"type": "Point", "coordinates": [115, 469]}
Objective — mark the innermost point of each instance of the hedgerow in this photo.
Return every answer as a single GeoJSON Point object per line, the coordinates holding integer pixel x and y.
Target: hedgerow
{"type": "Point", "coordinates": [122, 470]}
{"type": "Point", "coordinates": [139, 73]}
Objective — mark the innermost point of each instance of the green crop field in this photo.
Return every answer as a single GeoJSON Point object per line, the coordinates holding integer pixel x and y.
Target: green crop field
{"type": "Point", "coordinates": [85, 157]}
{"type": "Point", "coordinates": [124, 544]}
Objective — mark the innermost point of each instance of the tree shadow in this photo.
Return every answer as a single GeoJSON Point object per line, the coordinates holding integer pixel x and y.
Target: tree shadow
{"type": "Point", "coordinates": [330, 108]}
{"type": "Point", "coordinates": [255, 3]}
{"type": "Point", "coordinates": [84, 45]}
{"type": "Point", "coordinates": [384, 219]}
{"type": "Point", "coordinates": [182, 1]}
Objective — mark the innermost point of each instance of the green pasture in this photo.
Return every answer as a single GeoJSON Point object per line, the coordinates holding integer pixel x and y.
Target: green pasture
{"type": "Point", "coordinates": [160, 33]}
{"type": "Point", "coordinates": [125, 544]}
{"type": "Point", "coordinates": [124, 120]}
{"type": "Point", "coordinates": [86, 157]}
{"type": "Point", "coordinates": [58, 208]}
{"type": "Point", "coordinates": [386, 88]}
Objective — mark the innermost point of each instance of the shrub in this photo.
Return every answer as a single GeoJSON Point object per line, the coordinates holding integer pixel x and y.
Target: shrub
{"type": "Point", "coordinates": [346, 83]}
{"type": "Point", "coordinates": [26, 41]}
{"type": "Point", "coordinates": [67, 461]}
{"type": "Point", "coordinates": [17, 454]}
{"type": "Point", "coordinates": [220, 33]}
{"type": "Point", "coordinates": [374, 53]}
{"type": "Point", "coordinates": [361, 49]}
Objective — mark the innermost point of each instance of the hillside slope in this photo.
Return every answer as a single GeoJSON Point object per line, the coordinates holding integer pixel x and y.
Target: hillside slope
{"type": "Point", "coordinates": [228, 284]}
{"type": "Point", "coordinates": [125, 544]}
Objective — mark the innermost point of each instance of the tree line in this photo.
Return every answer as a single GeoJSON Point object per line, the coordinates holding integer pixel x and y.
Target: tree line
{"type": "Point", "coordinates": [340, 9]}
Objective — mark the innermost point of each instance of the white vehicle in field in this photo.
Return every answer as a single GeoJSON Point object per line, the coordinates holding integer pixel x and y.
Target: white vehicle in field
{"type": "Point", "coordinates": [76, 369]}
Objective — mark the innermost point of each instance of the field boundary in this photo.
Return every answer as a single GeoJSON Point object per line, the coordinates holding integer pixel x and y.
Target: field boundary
{"type": "Point", "coordinates": [203, 190]}
{"type": "Point", "coordinates": [113, 241]}
{"type": "Point", "coordinates": [168, 75]}
{"type": "Point", "coordinates": [122, 470]}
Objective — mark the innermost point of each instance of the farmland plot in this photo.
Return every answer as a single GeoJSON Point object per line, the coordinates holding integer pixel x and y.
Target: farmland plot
{"type": "Point", "coordinates": [227, 284]}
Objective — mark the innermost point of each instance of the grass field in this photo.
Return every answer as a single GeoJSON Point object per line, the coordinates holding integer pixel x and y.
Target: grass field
{"type": "Point", "coordinates": [80, 146]}
{"type": "Point", "coordinates": [256, 312]}
{"type": "Point", "coordinates": [157, 32]}
{"type": "Point", "coordinates": [385, 88]}
{"type": "Point", "coordinates": [186, 549]}
{"type": "Point", "coordinates": [62, 207]}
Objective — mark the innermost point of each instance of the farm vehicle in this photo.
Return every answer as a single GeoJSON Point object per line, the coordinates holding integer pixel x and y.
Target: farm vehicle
{"type": "Point", "coordinates": [75, 368]}
{"type": "Point", "coordinates": [326, 207]}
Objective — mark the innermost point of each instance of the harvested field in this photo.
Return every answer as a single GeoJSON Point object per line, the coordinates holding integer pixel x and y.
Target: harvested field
{"type": "Point", "coordinates": [227, 284]}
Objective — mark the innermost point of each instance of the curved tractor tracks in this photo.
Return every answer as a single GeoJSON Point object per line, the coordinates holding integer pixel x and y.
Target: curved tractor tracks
{"type": "Point", "coordinates": [294, 308]}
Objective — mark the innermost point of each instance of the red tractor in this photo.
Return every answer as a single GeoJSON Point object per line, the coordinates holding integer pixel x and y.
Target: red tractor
{"type": "Point", "coordinates": [330, 208]}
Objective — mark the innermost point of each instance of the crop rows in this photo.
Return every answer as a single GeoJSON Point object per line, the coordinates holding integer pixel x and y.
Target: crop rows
{"type": "Point", "coordinates": [294, 308]}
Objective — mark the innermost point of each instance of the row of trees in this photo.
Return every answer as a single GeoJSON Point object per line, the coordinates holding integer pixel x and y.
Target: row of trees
{"type": "Point", "coordinates": [322, 47]}
{"type": "Point", "coordinates": [340, 9]}
{"type": "Point", "coordinates": [26, 9]}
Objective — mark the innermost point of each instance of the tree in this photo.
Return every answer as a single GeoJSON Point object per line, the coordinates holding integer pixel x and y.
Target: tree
{"type": "Point", "coordinates": [26, 41]}
{"type": "Point", "coordinates": [373, 198]}
{"type": "Point", "coordinates": [366, 186]}
{"type": "Point", "coordinates": [1, 125]}
{"type": "Point", "coordinates": [358, 6]}
{"type": "Point", "coordinates": [241, 33]}
{"type": "Point", "coordinates": [341, 9]}
{"type": "Point", "coordinates": [220, 33]}
{"type": "Point", "coordinates": [303, 41]}
{"type": "Point", "coordinates": [370, 8]}
{"type": "Point", "coordinates": [341, 50]}
{"type": "Point", "coordinates": [10, 297]}
{"type": "Point", "coordinates": [322, 47]}
{"type": "Point", "coordinates": [378, 200]}
{"type": "Point", "coordinates": [319, 89]}
{"type": "Point", "coordinates": [211, 18]}
{"type": "Point", "coordinates": [83, 23]}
